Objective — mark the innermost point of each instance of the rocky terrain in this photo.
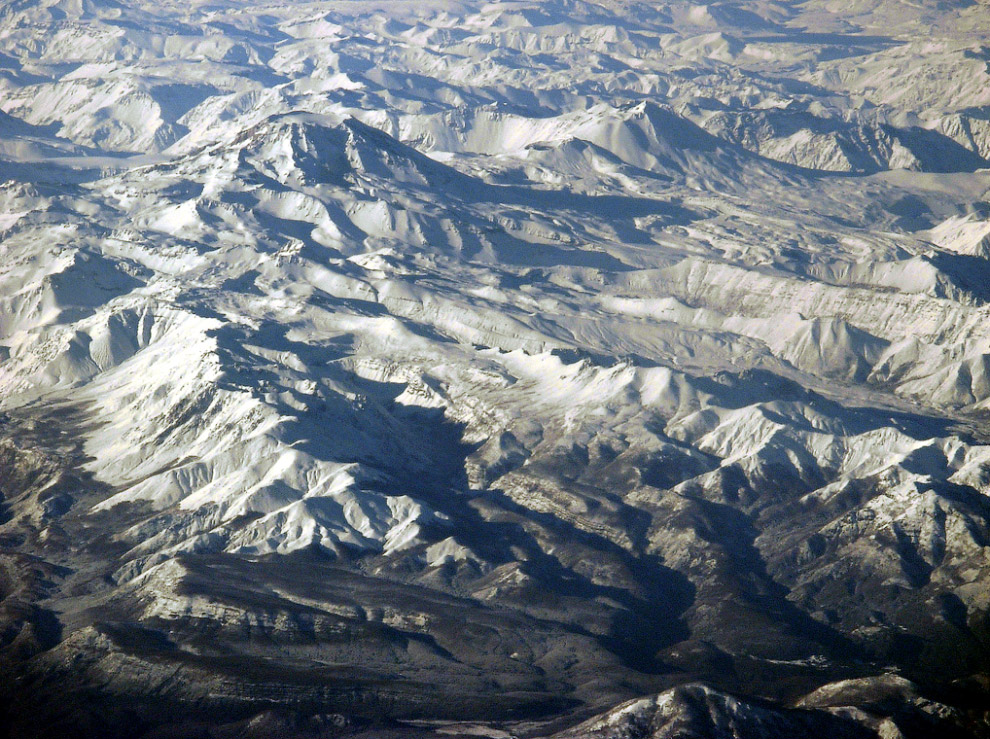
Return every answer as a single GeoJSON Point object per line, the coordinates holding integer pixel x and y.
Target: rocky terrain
{"type": "Point", "coordinates": [513, 369]}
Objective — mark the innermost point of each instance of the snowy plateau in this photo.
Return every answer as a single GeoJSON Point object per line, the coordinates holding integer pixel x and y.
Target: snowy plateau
{"type": "Point", "coordinates": [423, 369]}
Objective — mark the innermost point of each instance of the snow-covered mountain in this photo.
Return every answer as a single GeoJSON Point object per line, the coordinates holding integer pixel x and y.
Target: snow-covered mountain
{"type": "Point", "coordinates": [367, 366]}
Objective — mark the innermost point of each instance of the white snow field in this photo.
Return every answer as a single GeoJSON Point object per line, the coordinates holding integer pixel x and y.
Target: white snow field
{"type": "Point", "coordinates": [496, 362]}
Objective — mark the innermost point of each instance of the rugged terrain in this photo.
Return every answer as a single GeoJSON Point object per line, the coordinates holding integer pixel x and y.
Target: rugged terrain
{"type": "Point", "coordinates": [572, 369]}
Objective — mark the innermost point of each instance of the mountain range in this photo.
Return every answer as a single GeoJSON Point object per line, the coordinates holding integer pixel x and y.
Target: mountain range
{"type": "Point", "coordinates": [507, 369]}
